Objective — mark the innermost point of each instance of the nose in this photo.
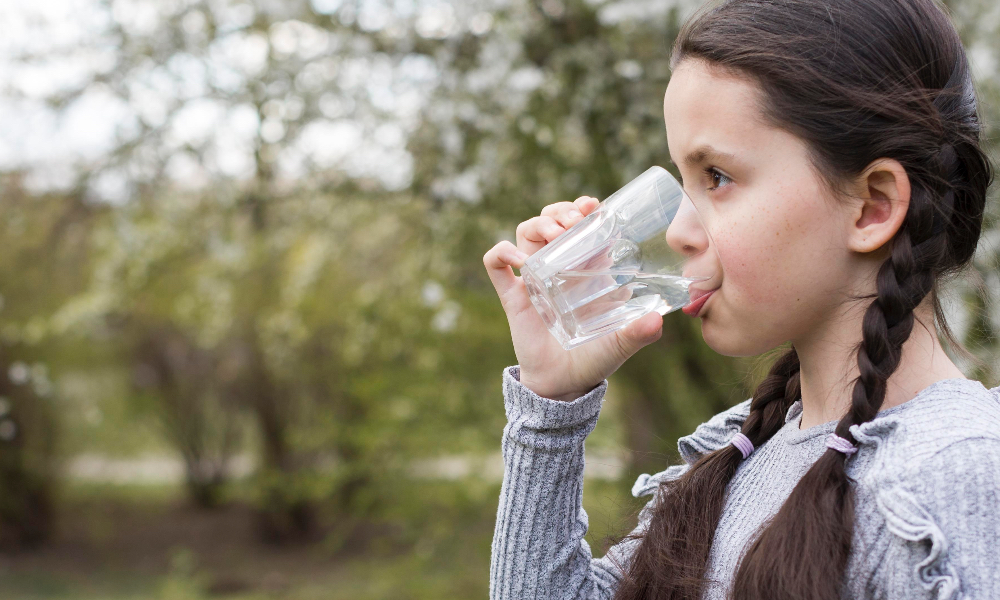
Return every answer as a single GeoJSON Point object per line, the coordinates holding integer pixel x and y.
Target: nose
{"type": "Point", "coordinates": [686, 234]}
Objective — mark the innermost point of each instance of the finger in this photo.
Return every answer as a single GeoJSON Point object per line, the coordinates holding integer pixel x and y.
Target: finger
{"type": "Point", "coordinates": [640, 333]}
{"type": "Point", "coordinates": [536, 232]}
{"type": "Point", "coordinates": [646, 329]}
{"type": "Point", "coordinates": [498, 262]}
{"type": "Point", "coordinates": [557, 207]}
{"type": "Point", "coordinates": [565, 213]}
{"type": "Point", "coordinates": [586, 204]}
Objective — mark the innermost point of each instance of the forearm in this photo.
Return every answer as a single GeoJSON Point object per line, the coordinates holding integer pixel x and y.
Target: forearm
{"type": "Point", "coordinates": [538, 547]}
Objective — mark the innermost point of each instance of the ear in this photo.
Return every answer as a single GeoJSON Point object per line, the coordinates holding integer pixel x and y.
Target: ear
{"type": "Point", "coordinates": [880, 203]}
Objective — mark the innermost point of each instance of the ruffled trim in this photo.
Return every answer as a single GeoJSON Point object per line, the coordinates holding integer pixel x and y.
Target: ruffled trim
{"type": "Point", "coordinates": [875, 433]}
{"type": "Point", "coordinates": [793, 411]}
{"type": "Point", "coordinates": [646, 484]}
{"type": "Point", "coordinates": [714, 433]}
{"type": "Point", "coordinates": [708, 437]}
{"type": "Point", "coordinates": [906, 518]}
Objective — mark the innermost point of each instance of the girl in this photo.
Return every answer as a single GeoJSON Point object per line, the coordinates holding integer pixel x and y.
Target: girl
{"type": "Point", "coordinates": [834, 147]}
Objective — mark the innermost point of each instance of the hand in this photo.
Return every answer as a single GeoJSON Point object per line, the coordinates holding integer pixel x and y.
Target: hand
{"type": "Point", "coordinates": [546, 368]}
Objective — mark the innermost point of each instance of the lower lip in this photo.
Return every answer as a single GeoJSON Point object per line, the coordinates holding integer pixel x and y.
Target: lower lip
{"type": "Point", "coordinates": [694, 308]}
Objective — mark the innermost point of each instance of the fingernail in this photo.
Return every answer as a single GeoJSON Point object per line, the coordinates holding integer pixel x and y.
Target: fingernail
{"type": "Point", "coordinates": [520, 255]}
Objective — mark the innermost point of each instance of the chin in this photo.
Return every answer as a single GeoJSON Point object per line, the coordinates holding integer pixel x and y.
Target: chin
{"type": "Point", "coordinates": [732, 341]}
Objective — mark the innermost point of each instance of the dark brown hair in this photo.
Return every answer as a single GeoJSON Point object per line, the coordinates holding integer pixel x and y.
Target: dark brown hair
{"type": "Point", "coordinates": [857, 80]}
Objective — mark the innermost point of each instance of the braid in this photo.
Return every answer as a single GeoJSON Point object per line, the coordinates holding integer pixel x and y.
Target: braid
{"type": "Point", "coordinates": [824, 494]}
{"type": "Point", "coordinates": [772, 399]}
{"type": "Point", "coordinates": [682, 539]}
{"type": "Point", "coordinates": [903, 281]}
{"type": "Point", "coordinates": [902, 90]}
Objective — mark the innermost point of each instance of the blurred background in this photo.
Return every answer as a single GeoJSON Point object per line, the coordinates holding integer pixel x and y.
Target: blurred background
{"type": "Point", "coordinates": [248, 347]}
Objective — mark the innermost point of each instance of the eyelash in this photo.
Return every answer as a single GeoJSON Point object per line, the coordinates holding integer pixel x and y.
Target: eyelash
{"type": "Point", "coordinates": [711, 172]}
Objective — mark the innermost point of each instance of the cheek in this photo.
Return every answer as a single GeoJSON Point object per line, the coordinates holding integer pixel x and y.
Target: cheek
{"type": "Point", "coordinates": [777, 260]}
{"type": "Point", "coordinates": [754, 251]}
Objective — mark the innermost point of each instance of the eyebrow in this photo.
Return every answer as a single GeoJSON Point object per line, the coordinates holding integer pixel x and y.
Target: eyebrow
{"type": "Point", "coordinates": [703, 153]}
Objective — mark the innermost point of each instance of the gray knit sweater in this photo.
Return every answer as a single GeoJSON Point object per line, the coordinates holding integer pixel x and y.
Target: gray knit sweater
{"type": "Point", "coordinates": [928, 488]}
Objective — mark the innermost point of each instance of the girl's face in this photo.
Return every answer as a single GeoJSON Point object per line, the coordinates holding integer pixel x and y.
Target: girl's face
{"type": "Point", "coordinates": [779, 231]}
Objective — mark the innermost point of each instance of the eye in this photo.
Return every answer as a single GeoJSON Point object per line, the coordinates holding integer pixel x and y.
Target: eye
{"type": "Point", "coordinates": [717, 177]}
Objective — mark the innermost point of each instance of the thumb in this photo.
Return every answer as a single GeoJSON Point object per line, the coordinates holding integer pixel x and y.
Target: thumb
{"type": "Point", "coordinates": [641, 332]}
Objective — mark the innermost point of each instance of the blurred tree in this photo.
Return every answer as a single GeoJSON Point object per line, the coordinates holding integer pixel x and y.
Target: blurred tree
{"type": "Point", "coordinates": [564, 98]}
{"type": "Point", "coordinates": [26, 451]}
{"type": "Point", "coordinates": [45, 261]}
{"type": "Point", "coordinates": [574, 107]}
{"type": "Point", "coordinates": [297, 199]}
{"type": "Point", "coordinates": [200, 420]}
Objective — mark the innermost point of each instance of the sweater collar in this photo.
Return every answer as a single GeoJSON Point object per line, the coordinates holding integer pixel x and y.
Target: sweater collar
{"type": "Point", "coordinates": [793, 417]}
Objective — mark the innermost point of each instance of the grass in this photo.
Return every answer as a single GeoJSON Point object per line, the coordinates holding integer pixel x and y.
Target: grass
{"type": "Point", "coordinates": [431, 539]}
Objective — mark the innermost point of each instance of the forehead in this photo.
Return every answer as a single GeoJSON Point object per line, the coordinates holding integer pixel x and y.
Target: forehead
{"type": "Point", "coordinates": [705, 106]}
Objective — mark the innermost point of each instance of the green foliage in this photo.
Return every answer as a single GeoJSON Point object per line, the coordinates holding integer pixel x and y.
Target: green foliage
{"type": "Point", "coordinates": [331, 317]}
{"type": "Point", "coordinates": [432, 541]}
{"type": "Point", "coordinates": [41, 266]}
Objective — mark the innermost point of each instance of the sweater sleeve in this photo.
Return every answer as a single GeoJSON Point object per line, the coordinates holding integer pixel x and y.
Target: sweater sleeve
{"type": "Point", "coordinates": [538, 549]}
{"type": "Point", "coordinates": [947, 523]}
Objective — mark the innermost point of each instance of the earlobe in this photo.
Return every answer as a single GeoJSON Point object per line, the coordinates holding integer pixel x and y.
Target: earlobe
{"type": "Point", "coordinates": [882, 203]}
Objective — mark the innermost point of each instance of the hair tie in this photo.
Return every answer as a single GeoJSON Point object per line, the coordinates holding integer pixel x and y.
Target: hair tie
{"type": "Point", "coordinates": [742, 443]}
{"type": "Point", "coordinates": [840, 444]}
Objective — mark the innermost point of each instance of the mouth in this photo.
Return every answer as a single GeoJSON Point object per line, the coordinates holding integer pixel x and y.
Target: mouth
{"type": "Point", "coordinates": [698, 299]}
{"type": "Point", "coordinates": [696, 293]}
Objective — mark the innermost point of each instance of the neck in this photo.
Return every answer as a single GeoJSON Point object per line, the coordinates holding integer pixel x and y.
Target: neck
{"type": "Point", "coordinates": [827, 356]}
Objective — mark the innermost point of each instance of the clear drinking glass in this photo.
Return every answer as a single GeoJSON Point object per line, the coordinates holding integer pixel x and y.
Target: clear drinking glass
{"type": "Point", "coordinates": [618, 263]}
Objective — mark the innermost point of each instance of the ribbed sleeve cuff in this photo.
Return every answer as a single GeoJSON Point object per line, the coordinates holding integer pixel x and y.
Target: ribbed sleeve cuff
{"type": "Point", "coordinates": [539, 412]}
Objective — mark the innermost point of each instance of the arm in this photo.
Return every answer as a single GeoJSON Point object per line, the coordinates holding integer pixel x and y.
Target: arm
{"type": "Point", "coordinates": [538, 548]}
{"type": "Point", "coordinates": [947, 520]}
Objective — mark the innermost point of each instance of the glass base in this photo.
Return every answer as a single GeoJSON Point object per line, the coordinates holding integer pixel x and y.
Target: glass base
{"type": "Point", "coordinates": [564, 325]}
{"type": "Point", "coordinates": [546, 308]}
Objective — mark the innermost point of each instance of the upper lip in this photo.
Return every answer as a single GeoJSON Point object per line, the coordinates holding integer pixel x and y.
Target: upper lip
{"type": "Point", "coordinates": [697, 293]}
